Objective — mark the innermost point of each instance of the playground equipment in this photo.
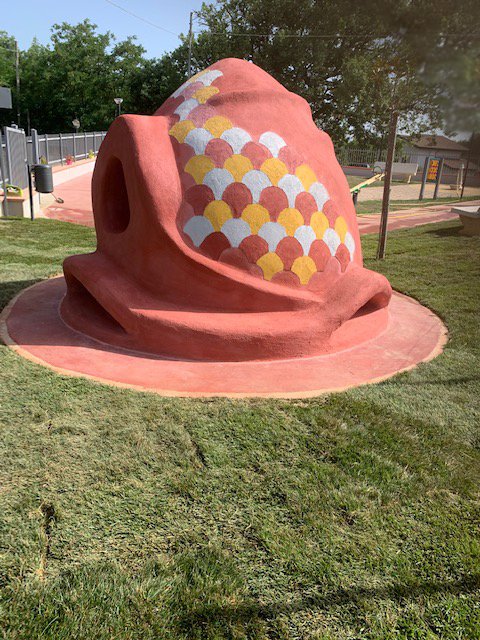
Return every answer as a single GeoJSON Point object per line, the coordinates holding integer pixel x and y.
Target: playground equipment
{"type": "Point", "coordinates": [356, 189]}
{"type": "Point", "coordinates": [228, 257]}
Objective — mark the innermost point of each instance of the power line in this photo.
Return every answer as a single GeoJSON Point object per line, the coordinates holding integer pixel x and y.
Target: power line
{"type": "Point", "coordinates": [130, 13]}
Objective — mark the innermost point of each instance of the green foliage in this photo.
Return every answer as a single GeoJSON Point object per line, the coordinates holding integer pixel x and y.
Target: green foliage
{"type": "Point", "coordinates": [353, 63]}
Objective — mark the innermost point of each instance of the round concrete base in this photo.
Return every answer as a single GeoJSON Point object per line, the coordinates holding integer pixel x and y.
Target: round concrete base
{"type": "Point", "coordinates": [32, 326]}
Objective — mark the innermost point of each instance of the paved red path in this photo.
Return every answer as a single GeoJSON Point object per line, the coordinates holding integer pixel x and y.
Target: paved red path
{"type": "Point", "coordinates": [78, 209]}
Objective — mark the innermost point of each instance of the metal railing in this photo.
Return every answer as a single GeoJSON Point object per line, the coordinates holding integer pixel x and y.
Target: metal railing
{"type": "Point", "coordinates": [17, 150]}
{"type": "Point", "coordinates": [60, 148]}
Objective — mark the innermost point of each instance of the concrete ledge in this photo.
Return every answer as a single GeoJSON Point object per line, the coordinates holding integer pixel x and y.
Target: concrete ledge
{"type": "Point", "coordinates": [470, 219]}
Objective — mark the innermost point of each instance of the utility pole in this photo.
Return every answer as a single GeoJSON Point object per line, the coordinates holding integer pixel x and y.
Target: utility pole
{"type": "Point", "coordinates": [190, 41]}
{"type": "Point", "coordinates": [392, 137]}
{"type": "Point", "coordinates": [17, 79]}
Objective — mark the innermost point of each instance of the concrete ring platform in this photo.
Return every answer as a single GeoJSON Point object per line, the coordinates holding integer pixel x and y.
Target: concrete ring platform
{"type": "Point", "coordinates": [32, 326]}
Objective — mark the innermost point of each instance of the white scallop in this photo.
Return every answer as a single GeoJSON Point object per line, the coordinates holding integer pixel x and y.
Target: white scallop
{"type": "Point", "coordinates": [320, 194]}
{"type": "Point", "coordinates": [256, 181]}
{"type": "Point", "coordinates": [272, 141]}
{"type": "Point", "coordinates": [237, 138]}
{"type": "Point", "coordinates": [350, 243]}
{"type": "Point", "coordinates": [272, 233]}
{"type": "Point", "coordinates": [198, 228]}
{"type": "Point", "coordinates": [305, 235]}
{"type": "Point", "coordinates": [236, 230]}
{"type": "Point", "coordinates": [208, 77]}
{"type": "Point", "coordinates": [180, 89]}
{"type": "Point", "coordinates": [218, 180]}
{"type": "Point", "coordinates": [184, 109]}
{"type": "Point", "coordinates": [198, 140]}
{"type": "Point", "coordinates": [332, 240]}
{"type": "Point", "coordinates": [292, 186]}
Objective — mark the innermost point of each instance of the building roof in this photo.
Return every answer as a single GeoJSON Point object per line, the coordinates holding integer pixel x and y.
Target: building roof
{"type": "Point", "coordinates": [432, 141]}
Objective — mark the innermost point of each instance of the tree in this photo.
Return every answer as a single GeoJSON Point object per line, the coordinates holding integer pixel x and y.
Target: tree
{"type": "Point", "coordinates": [352, 62]}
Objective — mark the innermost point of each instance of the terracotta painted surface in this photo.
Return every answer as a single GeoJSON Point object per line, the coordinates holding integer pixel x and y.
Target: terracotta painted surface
{"type": "Point", "coordinates": [32, 326]}
{"type": "Point", "coordinates": [225, 230]}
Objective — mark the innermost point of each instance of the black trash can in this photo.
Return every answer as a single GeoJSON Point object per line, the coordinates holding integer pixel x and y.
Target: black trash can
{"type": "Point", "coordinates": [43, 178]}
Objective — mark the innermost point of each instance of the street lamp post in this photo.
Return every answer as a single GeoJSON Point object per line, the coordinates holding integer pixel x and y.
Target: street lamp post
{"type": "Point", "coordinates": [118, 102]}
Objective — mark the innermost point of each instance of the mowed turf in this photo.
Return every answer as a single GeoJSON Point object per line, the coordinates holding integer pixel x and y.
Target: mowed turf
{"type": "Point", "coordinates": [129, 516]}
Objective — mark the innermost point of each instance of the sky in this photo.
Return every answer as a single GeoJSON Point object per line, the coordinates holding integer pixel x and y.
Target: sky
{"type": "Point", "coordinates": [32, 18]}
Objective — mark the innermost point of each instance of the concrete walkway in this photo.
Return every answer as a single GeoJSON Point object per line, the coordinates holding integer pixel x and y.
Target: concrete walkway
{"type": "Point", "coordinates": [74, 186]}
{"type": "Point", "coordinates": [412, 191]}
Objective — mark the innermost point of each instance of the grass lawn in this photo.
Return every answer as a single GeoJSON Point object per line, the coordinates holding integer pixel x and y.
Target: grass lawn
{"type": "Point", "coordinates": [375, 206]}
{"type": "Point", "coordinates": [129, 516]}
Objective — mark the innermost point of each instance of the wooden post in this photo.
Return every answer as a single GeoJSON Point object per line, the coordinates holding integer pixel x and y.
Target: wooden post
{"type": "Point", "coordinates": [392, 137]}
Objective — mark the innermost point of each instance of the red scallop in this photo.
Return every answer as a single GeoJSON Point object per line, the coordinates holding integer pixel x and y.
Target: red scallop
{"type": "Point", "coordinates": [236, 258]}
{"type": "Point", "coordinates": [185, 212]}
{"type": "Point", "coordinates": [254, 247]}
{"type": "Point", "coordinates": [201, 114]}
{"type": "Point", "coordinates": [199, 196]}
{"type": "Point", "coordinates": [331, 211]}
{"type": "Point", "coordinates": [257, 153]}
{"type": "Point", "coordinates": [219, 151]}
{"type": "Point", "coordinates": [291, 158]}
{"type": "Point", "coordinates": [237, 196]}
{"type": "Point", "coordinates": [190, 89]}
{"type": "Point", "coordinates": [214, 244]}
{"type": "Point", "coordinates": [343, 256]}
{"type": "Point", "coordinates": [288, 249]}
{"type": "Point", "coordinates": [286, 277]}
{"type": "Point", "coordinates": [320, 254]}
{"type": "Point", "coordinates": [274, 200]}
{"type": "Point", "coordinates": [183, 152]}
{"type": "Point", "coordinates": [187, 181]}
{"type": "Point", "coordinates": [306, 204]}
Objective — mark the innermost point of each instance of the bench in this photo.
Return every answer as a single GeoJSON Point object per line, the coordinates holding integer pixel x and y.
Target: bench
{"type": "Point", "coordinates": [402, 170]}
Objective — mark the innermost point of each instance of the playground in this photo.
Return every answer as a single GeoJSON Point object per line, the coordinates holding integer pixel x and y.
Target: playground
{"type": "Point", "coordinates": [224, 416]}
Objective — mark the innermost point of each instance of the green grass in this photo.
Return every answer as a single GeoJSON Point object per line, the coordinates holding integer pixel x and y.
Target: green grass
{"type": "Point", "coordinates": [129, 516]}
{"type": "Point", "coordinates": [375, 206]}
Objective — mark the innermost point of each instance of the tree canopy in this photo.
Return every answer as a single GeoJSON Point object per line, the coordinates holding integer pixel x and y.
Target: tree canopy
{"type": "Point", "coordinates": [353, 63]}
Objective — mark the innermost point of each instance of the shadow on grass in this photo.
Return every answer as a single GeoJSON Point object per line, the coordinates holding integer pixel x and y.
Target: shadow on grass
{"type": "Point", "coordinates": [400, 592]}
{"type": "Point", "coordinates": [446, 232]}
{"type": "Point", "coordinates": [9, 290]}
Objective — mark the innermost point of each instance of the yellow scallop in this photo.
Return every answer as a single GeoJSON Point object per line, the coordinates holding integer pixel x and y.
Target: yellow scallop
{"type": "Point", "coordinates": [238, 166]}
{"type": "Point", "coordinates": [180, 129]}
{"type": "Point", "coordinates": [319, 223]}
{"type": "Point", "coordinates": [270, 264]}
{"type": "Point", "coordinates": [217, 125]}
{"type": "Point", "coordinates": [203, 94]}
{"type": "Point", "coordinates": [256, 216]}
{"type": "Point", "coordinates": [341, 227]}
{"type": "Point", "coordinates": [306, 175]}
{"type": "Point", "coordinates": [218, 212]}
{"type": "Point", "coordinates": [198, 167]}
{"type": "Point", "coordinates": [290, 219]}
{"type": "Point", "coordinates": [275, 169]}
{"type": "Point", "coordinates": [304, 267]}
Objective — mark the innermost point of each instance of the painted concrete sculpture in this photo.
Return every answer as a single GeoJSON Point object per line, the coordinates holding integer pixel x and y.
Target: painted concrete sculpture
{"type": "Point", "coordinates": [225, 230]}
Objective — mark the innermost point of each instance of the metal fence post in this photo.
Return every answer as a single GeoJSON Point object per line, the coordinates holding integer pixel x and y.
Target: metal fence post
{"type": "Point", "coordinates": [3, 169]}
{"type": "Point", "coordinates": [74, 147]}
{"type": "Point", "coordinates": [35, 152]}
{"type": "Point", "coordinates": [94, 143]}
{"type": "Point", "coordinates": [61, 148]}
{"type": "Point", "coordinates": [47, 155]}
{"type": "Point", "coordinates": [85, 143]}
